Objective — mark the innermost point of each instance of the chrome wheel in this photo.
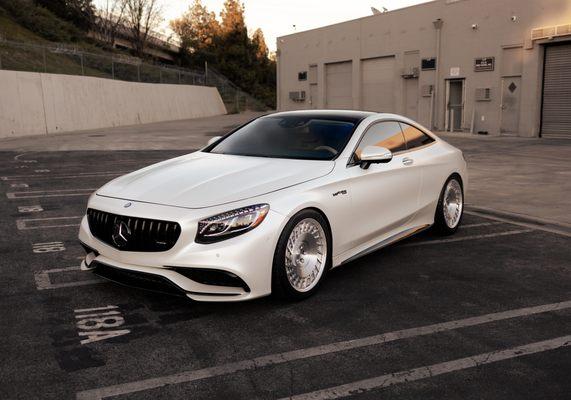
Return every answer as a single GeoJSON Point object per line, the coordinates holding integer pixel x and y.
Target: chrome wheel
{"type": "Point", "coordinates": [453, 203]}
{"type": "Point", "coordinates": [305, 255]}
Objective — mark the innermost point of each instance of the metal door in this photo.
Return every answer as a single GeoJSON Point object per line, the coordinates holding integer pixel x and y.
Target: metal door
{"type": "Point", "coordinates": [377, 84]}
{"type": "Point", "coordinates": [339, 85]}
{"type": "Point", "coordinates": [313, 96]}
{"type": "Point", "coordinates": [411, 98]}
{"type": "Point", "coordinates": [454, 104]}
{"type": "Point", "coordinates": [511, 89]}
{"type": "Point", "coordinates": [556, 110]}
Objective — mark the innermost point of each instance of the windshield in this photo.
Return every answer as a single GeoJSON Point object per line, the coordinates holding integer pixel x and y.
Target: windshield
{"type": "Point", "coordinates": [300, 137]}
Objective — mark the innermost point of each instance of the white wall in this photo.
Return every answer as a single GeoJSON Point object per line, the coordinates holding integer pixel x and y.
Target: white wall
{"type": "Point", "coordinates": [34, 103]}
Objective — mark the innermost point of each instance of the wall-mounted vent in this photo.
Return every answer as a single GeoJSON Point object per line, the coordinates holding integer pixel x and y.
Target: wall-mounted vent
{"type": "Point", "coordinates": [427, 90]}
{"type": "Point", "coordinates": [410, 73]}
{"type": "Point", "coordinates": [550, 32]}
{"type": "Point", "coordinates": [302, 76]}
{"type": "Point", "coordinates": [483, 94]}
{"type": "Point", "coordinates": [428, 64]}
{"type": "Point", "coordinates": [297, 96]}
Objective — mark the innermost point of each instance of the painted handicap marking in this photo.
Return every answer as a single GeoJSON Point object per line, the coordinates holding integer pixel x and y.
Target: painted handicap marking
{"type": "Point", "coordinates": [50, 247]}
{"type": "Point", "coordinates": [66, 277]}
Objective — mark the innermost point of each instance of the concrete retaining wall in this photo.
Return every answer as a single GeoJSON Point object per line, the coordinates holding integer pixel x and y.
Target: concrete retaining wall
{"type": "Point", "coordinates": [34, 103]}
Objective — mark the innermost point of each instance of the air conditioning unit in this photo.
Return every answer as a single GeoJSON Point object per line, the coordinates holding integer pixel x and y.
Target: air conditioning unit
{"type": "Point", "coordinates": [483, 94]}
{"type": "Point", "coordinates": [297, 96]}
{"type": "Point", "coordinates": [410, 72]}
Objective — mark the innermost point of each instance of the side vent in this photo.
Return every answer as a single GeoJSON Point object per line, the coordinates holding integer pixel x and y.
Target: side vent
{"type": "Point", "coordinates": [549, 32]}
{"type": "Point", "coordinates": [427, 90]}
{"type": "Point", "coordinates": [483, 94]}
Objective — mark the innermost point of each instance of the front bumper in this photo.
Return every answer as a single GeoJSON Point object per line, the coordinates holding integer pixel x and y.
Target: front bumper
{"type": "Point", "coordinates": [246, 259]}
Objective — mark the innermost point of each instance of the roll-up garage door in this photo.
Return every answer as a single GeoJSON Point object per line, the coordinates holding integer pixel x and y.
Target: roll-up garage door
{"type": "Point", "coordinates": [556, 115]}
{"type": "Point", "coordinates": [377, 84]}
{"type": "Point", "coordinates": [338, 85]}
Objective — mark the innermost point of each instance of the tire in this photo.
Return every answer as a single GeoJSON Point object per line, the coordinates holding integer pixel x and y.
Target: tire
{"type": "Point", "coordinates": [298, 274]}
{"type": "Point", "coordinates": [447, 221]}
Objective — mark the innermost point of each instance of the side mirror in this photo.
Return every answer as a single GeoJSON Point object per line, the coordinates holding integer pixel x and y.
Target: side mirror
{"type": "Point", "coordinates": [213, 139]}
{"type": "Point", "coordinates": [374, 155]}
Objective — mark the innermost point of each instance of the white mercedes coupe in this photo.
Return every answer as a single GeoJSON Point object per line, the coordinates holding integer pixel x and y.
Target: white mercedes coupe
{"type": "Point", "coordinates": [274, 205]}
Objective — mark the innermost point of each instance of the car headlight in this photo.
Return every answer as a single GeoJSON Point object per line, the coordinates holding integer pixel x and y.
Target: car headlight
{"type": "Point", "coordinates": [232, 223]}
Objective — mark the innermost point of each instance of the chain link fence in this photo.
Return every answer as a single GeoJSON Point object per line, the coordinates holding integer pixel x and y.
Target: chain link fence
{"type": "Point", "coordinates": [70, 60]}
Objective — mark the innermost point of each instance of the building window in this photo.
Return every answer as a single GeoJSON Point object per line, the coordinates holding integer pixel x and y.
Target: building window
{"type": "Point", "coordinates": [302, 76]}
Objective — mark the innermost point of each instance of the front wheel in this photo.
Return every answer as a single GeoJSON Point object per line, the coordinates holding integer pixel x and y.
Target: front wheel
{"type": "Point", "coordinates": [450, 207]}
{"type": "Point", "coordinates": [302, 256]}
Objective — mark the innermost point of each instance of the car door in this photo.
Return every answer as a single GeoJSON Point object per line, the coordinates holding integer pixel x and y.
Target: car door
{"type": "Point", "coordinates": [427, 161]}
{"type": "Point", "coordinates": [384, 196]}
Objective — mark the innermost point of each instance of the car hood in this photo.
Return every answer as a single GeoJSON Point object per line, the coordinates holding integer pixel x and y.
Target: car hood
{"type": "Point", "coordinates": [200, 180]}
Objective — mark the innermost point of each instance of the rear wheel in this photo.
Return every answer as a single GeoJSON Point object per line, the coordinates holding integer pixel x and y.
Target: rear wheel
{"type": "Point", "coordinates": [450, 207]}
{"type": "Point", "coordinates": [302, 256]}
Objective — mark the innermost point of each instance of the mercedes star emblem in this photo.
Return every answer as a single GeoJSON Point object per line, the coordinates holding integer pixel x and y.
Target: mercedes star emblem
{"type": "Point", "coordinates": [121, 234]}
{"type": "Point", "coordinates": [127, 205]}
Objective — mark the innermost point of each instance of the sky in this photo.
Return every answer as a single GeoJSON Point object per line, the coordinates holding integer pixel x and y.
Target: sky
{"type": "Point", "coordinates": [278, 17]}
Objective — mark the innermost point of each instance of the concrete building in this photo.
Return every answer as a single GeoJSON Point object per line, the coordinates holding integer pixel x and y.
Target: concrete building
{"type": "Point", "coordinates": [496, 66]}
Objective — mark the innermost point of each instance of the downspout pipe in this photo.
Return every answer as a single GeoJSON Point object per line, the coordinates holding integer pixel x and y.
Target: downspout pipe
{"type": "Point", "coordinates": [434, 116]}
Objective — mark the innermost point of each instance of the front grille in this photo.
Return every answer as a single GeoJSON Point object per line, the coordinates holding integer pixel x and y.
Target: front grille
{"type": "Point", "coordinates": [133, 234]}
{"type": "Point", "coordinates": [136, 279]}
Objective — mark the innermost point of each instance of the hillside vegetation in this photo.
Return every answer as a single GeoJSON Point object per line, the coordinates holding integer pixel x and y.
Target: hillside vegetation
{"type": "Point", "coordinates": [228, 49]}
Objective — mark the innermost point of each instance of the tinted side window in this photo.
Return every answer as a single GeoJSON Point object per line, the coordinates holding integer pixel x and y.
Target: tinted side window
{"type": "Point", "coordinates": [383, 134]}
{"type": "Point", "coordinates": [414, 137]}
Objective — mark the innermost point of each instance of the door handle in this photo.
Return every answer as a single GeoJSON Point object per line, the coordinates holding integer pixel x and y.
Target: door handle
{"type": "Point", "coordinates": [407, 161]}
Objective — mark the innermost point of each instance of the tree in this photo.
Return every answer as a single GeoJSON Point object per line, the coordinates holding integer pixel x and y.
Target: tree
{"type": "Point", "coordinates": [228, 48]}
{"type": "Point", "coordinates": [232, 15]}
{"type": "Point", "coordinates": [141, 18]}
{"type": "Point", "coordinates": [110, 17]}
{"type": "Point", "coordinates": [259, 43]}
{"type": "Point", "coordinates": [197, 28]}
{"type": "Point", "coordinates": [78, 12]}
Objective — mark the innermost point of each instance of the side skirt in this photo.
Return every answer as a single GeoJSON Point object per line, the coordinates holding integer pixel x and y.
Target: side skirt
{"type": "Point", "coordinates": [385, 242]}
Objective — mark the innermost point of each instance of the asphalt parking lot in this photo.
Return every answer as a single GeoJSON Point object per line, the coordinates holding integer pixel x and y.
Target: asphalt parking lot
{"type": "Point", "coordinates": [479, 315]}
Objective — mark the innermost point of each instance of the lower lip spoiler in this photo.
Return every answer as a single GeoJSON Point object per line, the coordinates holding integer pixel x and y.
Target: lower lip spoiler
{"type": "Point", "coordinates": [146, 281]}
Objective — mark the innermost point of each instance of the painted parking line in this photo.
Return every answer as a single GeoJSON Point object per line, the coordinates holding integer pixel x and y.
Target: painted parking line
{"type": "Point", "coordinates": [50, 193]}
{"type": "Point", "coordinates": [430, 371]}
{"type": "Point", "coordinates": [48, 223]}
{"type": "Point", "coordinates": [481, 224]}
{"type": "Point", "coordinates": [465, 238]}
{"type": "Point", "coordinates": [64, 176]}
{"type": "Point", "coordinates": [526, 222]}
{"type": "Point", "coordinates": [44, 281]}
{"type": "Point", "coordinates": [281, 358]}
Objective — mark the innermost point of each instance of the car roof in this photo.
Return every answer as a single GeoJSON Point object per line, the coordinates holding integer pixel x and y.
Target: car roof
{"type": "Point", "coordinates": [345, 115]}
